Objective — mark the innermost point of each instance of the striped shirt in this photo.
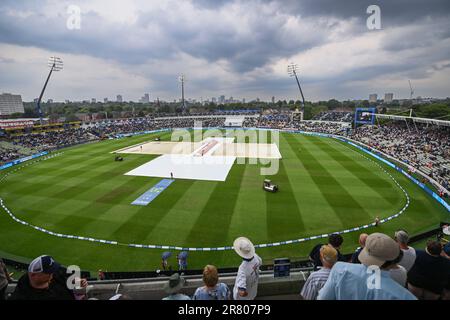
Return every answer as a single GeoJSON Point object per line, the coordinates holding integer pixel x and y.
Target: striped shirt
{"type": "Point", "coordinates": [314, 283]}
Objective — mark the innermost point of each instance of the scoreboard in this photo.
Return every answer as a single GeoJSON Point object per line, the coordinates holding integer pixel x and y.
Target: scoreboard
{"type": "Point", "coordinates": [364, 116]}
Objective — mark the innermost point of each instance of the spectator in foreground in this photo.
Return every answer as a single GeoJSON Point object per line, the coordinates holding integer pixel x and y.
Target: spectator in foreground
{"type": "Point", "coordinates": [173, 288]}
{"type": "Point", "coordinates": [4, 279]}
{"type": "Point", "coordinates": [409, 254]}
{"type": "Point", "coordinates": [349, 281]}
{"type": "Point", "coordinates": [335, 240]}
{"type": "Point", "coordinates": [212, 289]}
{"type": "Point", "coordinates": [430, 274]}
{"type": "Point", "coordinates": [397, 272]}
{"type": "Point", "coordinates": [362, 243]}
{"type": "Point", "coordinates": [317, 279]}
{"type": "Point", "coordinates": [43, 281]}
{"type": "Point", "coordinates": [246, 284]}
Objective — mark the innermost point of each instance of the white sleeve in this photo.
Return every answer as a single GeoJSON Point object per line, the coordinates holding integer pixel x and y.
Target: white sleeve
{"type": "Point", "coordinates": [241, 280]}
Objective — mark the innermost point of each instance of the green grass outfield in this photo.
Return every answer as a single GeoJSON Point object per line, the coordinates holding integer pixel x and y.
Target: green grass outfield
{"type": "Point", "coordinates": [325, 186]}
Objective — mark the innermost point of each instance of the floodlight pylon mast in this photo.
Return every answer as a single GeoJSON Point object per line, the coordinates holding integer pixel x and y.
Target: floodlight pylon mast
{"type": "Point", "coordinates": [183, 101]}
{"type": "Point", "coordinates": [411, 90]}
{"type": "Point", "coordinates": [292, 71]}
{"type": "Point", "coordinates": [56, 65]}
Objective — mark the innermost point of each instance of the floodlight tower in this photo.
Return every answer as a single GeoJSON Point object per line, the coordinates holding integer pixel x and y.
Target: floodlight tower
{"type": "Point", "coordinates": [182, 79]}
{"type": "Point", "coordinates": [411, 90]}
{"type": "Point", "coordinates": [55, 64]}
{"type": "Point", "coordinates": [292, 71]}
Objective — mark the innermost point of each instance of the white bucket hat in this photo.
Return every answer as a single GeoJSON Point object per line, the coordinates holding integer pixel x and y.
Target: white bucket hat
{"type": "Point", "coordinates": [244, 248]}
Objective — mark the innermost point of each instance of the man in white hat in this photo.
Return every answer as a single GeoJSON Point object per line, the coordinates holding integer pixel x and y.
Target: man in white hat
{"type": "Point", "coordinates": [246, 284]}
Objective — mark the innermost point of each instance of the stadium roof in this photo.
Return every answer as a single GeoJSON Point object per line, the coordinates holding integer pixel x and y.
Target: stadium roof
{"type": "Point", "coordinates": [415, 119]}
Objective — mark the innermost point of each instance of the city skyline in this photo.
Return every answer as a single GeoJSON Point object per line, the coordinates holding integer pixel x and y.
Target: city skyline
{"type": "Point", "coordinates": [236, 47]}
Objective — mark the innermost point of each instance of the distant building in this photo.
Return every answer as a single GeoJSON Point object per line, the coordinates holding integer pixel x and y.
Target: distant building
{"type": "Point", "coordinates": [50, 101]}
{"type": "Point", "coordinates": [67, 101]}
{"type": "Point", "coordinates": [94, 100]}
{"type": "Point", "coordinates": [243, 101]}
{"type": "Point", "coordinates": [221, 99]}
{"type": "Point", "coordinates": [145, 98]}
{"type": "Point", "coordinates": [119, 98]}
{"type": "Point", "coordinates": [373, 98]}
{"type": "Point", "coordinates": [214, 100]}
{"type": "Point", "coordinates": [273, 100]}
{"type": "Point", "coordinates": [105, 100]}
{"type": "Point", "coordinates": [388, 97]}
{"type": "Point", "coordinates": [11, 103]}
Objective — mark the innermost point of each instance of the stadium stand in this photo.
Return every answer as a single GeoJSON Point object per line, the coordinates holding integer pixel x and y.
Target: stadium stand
{"type": "Point", "coordinates": [334, 116]}
{"type": "Point", "coordinates": [426, 148]}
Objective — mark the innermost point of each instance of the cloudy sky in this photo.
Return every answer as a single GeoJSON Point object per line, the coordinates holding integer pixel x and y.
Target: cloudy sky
{"type": "Point", "coordinates": [236, 48]}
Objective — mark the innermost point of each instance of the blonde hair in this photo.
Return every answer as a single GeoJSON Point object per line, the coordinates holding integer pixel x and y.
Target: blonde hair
{"type": "Point", "coordinates": [329, 254]}
{"type": "Point", "coordinates": [210, 276]}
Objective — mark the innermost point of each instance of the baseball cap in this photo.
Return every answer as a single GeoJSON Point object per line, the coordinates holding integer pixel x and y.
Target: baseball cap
{"type": "Point", "coordinates": [379, 249]}
{"type": "Point", "coordinates": [329, 253]}
{"type": "Point", "coordinates": [43, 264]}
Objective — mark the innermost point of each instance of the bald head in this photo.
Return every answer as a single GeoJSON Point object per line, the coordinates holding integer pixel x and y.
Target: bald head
{"type": "Point", "coordinates": [362, 239]}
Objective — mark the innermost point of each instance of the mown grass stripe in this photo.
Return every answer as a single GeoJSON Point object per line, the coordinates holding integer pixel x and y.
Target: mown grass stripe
{"type": "Point", "coordinates": [284, 220]}
{"type": "Point", "coordinates": [212, 225]}
{"type": "Point", "coordinates": [348, 210]}
{"type": "Point", "coordinates": [309, 198]}
{"type": "Point", "coordinates": [181, 218]}
{"type": "Point", "coordinates": [250, 209]}
{"type": "Point", "coordinates": [375, 180]}
{"type": "Point", "coordinates": [143, 222]}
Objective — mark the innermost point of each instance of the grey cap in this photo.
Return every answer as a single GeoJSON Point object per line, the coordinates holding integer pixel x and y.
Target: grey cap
{"type": "Point", "coordinates": [402, 236]}
{"type": "Point", "coordinates": [379, 249]}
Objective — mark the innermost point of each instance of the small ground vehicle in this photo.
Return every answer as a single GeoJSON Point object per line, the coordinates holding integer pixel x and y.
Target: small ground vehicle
{"type": "Point", "coordinates": [269, 186]}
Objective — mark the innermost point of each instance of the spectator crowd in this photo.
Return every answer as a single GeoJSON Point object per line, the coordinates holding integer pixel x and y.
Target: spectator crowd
{"type": "Point", "coordinates": [426, 148]}
{"type": "Point", "coordinates": [382, 268]}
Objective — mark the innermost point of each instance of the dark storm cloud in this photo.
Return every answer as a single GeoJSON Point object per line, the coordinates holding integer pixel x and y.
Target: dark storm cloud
{"type": "Point", "coordinates": [210, 4]}
{"type": "Point", "coordinates": [415, 36]}
{"type": "Point", "coordinates": [265, 39]}
{"type": "Point", "coordinates": [394, 12]}
{"type": "Point", "coordinates": [97, 37]}
{"type": "Point", "coordinates": [258, 35]}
